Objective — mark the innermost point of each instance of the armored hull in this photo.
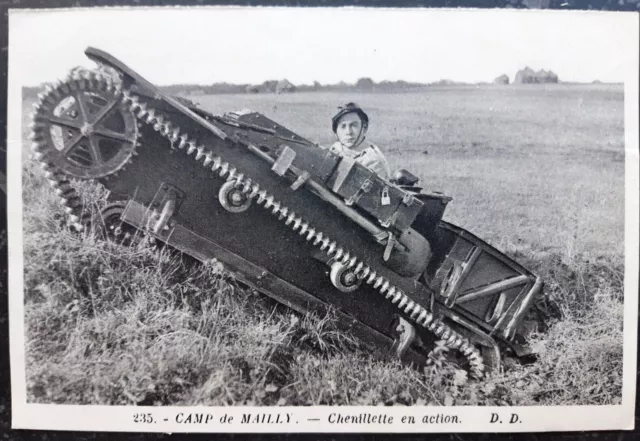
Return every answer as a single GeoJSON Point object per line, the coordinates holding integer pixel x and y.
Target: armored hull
{"type": "Point", "coordinates": [296, 222]}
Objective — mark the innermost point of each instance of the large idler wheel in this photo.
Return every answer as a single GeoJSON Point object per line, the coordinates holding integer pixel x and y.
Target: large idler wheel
{"type": "Point", "coordinates": [83, 128]}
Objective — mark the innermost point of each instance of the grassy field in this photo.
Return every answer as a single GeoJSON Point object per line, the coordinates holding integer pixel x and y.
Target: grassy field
{"type": "Point", "coordinates": [537, 171]}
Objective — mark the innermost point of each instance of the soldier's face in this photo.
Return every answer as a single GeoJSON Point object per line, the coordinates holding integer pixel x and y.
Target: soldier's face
{"type": "Point", "coordinates": [348, 129]}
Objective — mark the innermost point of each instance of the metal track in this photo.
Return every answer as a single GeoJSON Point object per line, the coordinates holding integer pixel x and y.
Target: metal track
{"type": "Point", "coordinates": [417, 313]}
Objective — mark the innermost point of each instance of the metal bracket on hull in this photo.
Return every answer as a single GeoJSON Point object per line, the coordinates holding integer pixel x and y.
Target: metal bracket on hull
{"type": "Point", "coordinates": [406, 336]}
{"type": "Point", "coordinates": [168, 199]}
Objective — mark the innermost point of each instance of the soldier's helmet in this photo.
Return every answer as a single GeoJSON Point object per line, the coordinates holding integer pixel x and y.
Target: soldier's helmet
{"type": "Point", "coordinates": [350, 108]}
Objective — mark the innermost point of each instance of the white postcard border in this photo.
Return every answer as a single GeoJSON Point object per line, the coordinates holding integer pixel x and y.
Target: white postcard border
{"type": "Point", "coordinates": [472, 418]}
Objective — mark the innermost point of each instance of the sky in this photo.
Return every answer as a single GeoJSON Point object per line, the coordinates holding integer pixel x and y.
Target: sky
{"type": "Point", "coordinates": [171, 45]}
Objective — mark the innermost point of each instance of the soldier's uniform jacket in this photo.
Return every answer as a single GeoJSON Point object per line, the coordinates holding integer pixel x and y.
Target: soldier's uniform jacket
{"type": "Point", "coordinates": [371, 157]}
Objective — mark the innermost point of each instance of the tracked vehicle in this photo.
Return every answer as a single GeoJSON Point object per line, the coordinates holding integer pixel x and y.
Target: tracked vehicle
{"type": "Point", "coordinates": [294, 221]}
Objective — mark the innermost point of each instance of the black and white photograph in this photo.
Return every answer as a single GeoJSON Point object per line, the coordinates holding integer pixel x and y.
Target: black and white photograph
{"type": "Point", "coordinates": [322, 219]}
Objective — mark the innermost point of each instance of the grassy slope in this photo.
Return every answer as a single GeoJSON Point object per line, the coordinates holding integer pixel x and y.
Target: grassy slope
{"type": "Point", "coordinates": [536, 171]}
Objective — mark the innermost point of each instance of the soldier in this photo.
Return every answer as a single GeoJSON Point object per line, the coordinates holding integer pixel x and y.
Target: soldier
{"type": "Point", "coordinates": [350, 125]}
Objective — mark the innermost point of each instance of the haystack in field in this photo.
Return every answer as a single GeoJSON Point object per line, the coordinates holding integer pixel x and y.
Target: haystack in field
{"type": "Point", "coordinates": [285, 86]}
{"type": "Point", "coordinates": [529, 76]}
{"type": "Point", "coordinates": [502, 79]}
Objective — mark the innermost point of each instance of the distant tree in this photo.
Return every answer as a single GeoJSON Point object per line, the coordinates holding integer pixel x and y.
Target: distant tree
{"type": "Point", "coordinates": [365, 84]}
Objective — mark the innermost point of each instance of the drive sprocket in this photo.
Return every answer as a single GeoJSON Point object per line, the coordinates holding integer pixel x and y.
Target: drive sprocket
{"type": "Point", "coordinates": [82, 127]}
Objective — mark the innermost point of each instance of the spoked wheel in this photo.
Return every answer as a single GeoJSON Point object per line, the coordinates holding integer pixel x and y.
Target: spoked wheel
{"type": "Point", "coordinates": [83, 128]}
{"type": "Point", "coordinates": [110, 226]}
